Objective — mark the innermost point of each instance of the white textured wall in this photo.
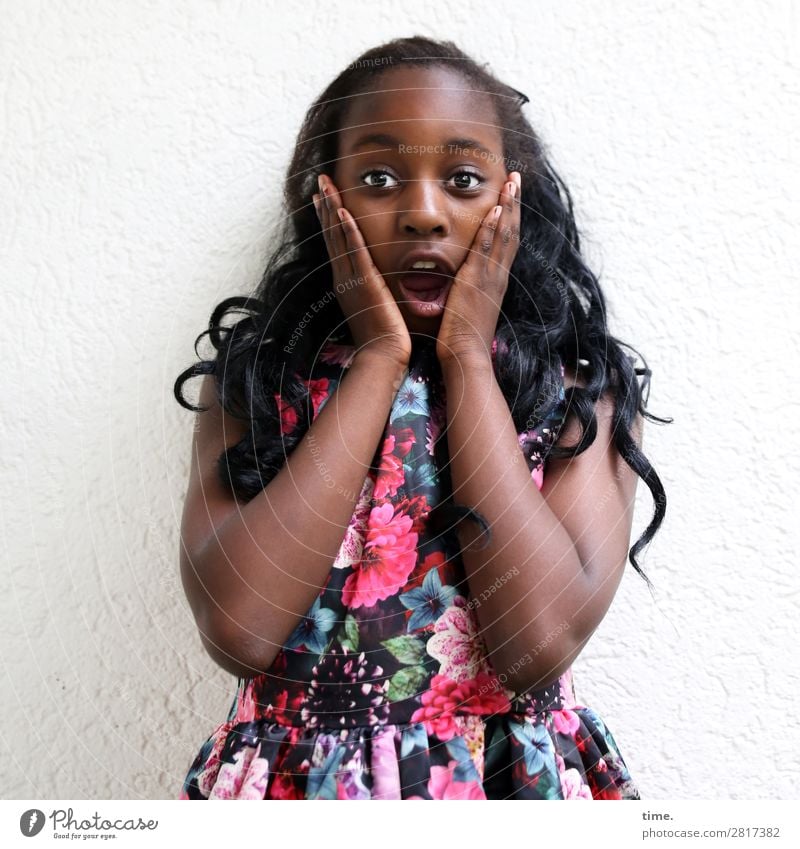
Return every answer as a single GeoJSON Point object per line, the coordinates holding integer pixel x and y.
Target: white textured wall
{"type": "Point", "coordinates": [143, 145]}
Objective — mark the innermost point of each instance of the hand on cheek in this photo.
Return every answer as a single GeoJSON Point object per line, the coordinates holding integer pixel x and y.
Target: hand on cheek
{"type": "Point", "coordinates": [476, 296]}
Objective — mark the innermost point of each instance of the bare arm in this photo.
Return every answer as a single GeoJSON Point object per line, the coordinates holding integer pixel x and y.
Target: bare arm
{"type": "Point", "coordinates": [253, 576]}
{"type": "Point", "coordinates": [558, 554]}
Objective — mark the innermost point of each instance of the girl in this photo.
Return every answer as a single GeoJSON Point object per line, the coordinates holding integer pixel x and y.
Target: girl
{"type": "Point", "coordinates": [426, 343]}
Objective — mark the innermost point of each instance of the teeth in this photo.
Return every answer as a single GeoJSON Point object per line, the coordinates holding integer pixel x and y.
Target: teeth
{"type": "Point", "coordinates": [423, 264]}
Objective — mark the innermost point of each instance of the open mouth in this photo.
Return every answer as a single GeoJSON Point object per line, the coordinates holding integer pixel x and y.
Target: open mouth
{"type": "Point", "coordinates": [424, 286]}
{"type": "Point", "coordinates": [425, 282]}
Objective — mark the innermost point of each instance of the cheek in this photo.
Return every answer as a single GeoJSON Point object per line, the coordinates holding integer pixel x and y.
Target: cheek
{"type": "Point", "coordinates": [376, 231]}
{"type": "Point", "coordinates": [469, 222]}
{"type": "Point", "coordinates": [369, 224]}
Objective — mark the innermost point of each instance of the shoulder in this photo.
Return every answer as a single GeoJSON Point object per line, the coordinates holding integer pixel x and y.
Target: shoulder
{"type": "Point", "coordinates": [604, 410]}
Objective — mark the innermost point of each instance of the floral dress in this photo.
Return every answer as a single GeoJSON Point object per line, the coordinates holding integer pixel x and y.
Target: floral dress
{"type": "Point", "coordinates": [384, 689]}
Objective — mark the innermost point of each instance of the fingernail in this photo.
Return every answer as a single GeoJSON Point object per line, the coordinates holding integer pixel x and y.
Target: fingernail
{"type": "Point", "coordinates": [512, 189]}
{"type": "Point", "coordinates": [497, 211]}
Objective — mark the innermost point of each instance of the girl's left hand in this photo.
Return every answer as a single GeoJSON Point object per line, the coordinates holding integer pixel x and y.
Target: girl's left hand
{"type": "Point", "coordinates": [473, 303]}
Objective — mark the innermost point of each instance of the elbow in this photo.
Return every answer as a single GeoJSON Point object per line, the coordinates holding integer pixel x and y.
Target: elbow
{"type": "Point", "coordinates": [230, 651]}
{"type": "Point", "coordinates": [229, 644]}
{"type": "Point", "coordinates": [536, 667]}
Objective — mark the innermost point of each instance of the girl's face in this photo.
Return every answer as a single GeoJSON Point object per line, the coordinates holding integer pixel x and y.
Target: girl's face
{"type": "Point", "coordinates": [419, 167]}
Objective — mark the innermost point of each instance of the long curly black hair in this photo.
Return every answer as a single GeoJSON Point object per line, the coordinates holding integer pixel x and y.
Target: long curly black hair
{"type": "Point", "coordinates": [553, 303]}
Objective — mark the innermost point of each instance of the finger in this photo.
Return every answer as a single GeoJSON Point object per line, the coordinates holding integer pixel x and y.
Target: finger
{"type": "Point", "coordinates": [481, 247]}
{"type": "Point", "coordinates": [506, 240]}
{"type": "Point", "coordinates": [333, 203]}
{"type": "Point", "coordinates": [358, 251]}
{"type": "Point", "coordinates": [340, 262]}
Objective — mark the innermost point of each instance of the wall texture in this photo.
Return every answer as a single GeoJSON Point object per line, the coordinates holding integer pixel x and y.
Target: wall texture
{"type": "Point", "coordinates": [143, 146]}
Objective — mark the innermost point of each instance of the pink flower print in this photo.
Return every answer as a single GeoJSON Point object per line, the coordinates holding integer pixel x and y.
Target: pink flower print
{"type": "Point", "coordinates": [285, 704]}
{"type": "Point", "coordinates": [245, 778]}
{"type": "Point", "coordinates": [537, 470]}
{"type": "Point", "coordinates": [353, 543]}
{"type": "Point", "coordinates": [319, 389]}
{"type": "Point", "coordinates": [480, 695]}
{"type": "Point", "coordinates": [566, 722]}
{"type": "Point", "coordinates": [442, 785]}
{"type": "Point", "coordinates": [391, 474]}
{"type": "Point", "coordinates": [319, 393]}
{"type": "Point", "coordinates": [474, 734]}
{"type": "Point", "coordinates": [390, 554]}
{"type": "Point", "coordinates": [456, 643]}
{"type": "Point", "coordinates": [385, 767]}
{"type": "Point", "coordinates": [336, 354]}
{"type": "Point", "coordinates": [417, 508]}
{"type": "Point", "coordinates": [288, 415]}
{"type": "Point", "coordinates": [572, 787]}
{"type": "Point", "coordinates": [254, 784]}
{"type": "Point", "coordinates": [503, 348]}
{"type": "Point", "coordinates": [206, 779]}
{"type": "Point", "coordinates": [246, 708]}
{"type": "Point", "coordinates": [404, 439]}
{"type": "Point", "coordinates": [286, 785]}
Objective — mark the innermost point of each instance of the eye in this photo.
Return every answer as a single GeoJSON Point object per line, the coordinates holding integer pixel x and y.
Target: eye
{"type": "Point", "coordinates": [382, 175]}
{"type": "Point", "coordinates": [463, 173]}
{"type": "Point", "coordinates": [379, 171]}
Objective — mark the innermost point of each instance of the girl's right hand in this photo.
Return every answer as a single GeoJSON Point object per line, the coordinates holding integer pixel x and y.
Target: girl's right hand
{"type": "Point", "coordinates": [372, 314]}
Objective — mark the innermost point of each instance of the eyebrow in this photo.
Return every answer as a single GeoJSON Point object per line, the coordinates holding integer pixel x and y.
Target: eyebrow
{"type": "Point", "coordinates": [387, 140]}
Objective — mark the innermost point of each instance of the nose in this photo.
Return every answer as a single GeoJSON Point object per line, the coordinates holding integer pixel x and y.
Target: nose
{"type": "Point", "coordinates": [424, 209]}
